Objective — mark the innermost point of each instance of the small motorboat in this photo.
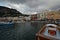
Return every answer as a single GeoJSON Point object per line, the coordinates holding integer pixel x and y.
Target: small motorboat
{"type": "Point", "coordinates": [6, 24]}
{"type": "Point", "coordinates": [49, 32]}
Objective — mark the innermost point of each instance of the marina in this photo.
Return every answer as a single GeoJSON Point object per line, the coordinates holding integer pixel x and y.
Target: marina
{"type": "Point", "coordinates": [29, 20]}
{"type": "Point", "coordinates": [21, 31]}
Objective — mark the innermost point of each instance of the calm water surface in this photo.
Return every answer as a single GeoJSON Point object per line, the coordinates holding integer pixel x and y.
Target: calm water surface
{"type": "Point", "coordinates": [21, 31]}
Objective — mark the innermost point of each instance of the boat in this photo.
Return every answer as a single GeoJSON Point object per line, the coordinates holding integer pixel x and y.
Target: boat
{"type": "Point", "coordinates": [6, 24]}
{"type": "Point", "coordinates": [45, 34]}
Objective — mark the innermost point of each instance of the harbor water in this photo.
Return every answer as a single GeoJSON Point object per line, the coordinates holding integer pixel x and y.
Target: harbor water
{"type": "Point", "coordinates": [21, 31]}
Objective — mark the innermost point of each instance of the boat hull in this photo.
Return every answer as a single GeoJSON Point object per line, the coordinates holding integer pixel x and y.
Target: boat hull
{"type": "Point", "coordinates": [6, 25]}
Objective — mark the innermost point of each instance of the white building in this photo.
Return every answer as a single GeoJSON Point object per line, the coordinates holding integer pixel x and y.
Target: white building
{"type": "Point", "coordinates": [42, 15]}
{"type": "Point", "coordinates": [28, 18]}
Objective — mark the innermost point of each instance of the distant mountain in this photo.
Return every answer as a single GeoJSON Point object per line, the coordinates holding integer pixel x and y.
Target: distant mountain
{"type": "Point", "coordinates": [8, 12]}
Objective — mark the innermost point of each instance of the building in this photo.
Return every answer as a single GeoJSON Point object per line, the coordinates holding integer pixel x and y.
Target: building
{"type": "Point", "coordinates": [48, 15]}
{"type": "Point", "coordinates": [34, 17]}
{"type": "Point", "coordinates": [42, 15]}
{"type": "Point", "coordinates": [53, 15]}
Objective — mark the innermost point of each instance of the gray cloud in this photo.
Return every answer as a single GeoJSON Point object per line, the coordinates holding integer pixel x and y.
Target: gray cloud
{"type": "Point", "coordinates": [33, 5]}
{"type": "Point", "coordinates": [56, 6]}
{"type": "Point", "coordinates": [30, 3]}
{"type": "Point", "coordinates": [17, 1]}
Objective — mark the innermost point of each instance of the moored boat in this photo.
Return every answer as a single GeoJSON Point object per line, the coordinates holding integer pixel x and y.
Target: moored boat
{"type": "Point", "coordinates": [49, 32]}
{"type": "Point", "coordinates": [6, 24]}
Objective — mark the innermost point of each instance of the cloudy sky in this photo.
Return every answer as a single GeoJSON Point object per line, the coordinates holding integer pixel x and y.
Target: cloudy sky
{"type": "Point", "coordinates": [31, 6]}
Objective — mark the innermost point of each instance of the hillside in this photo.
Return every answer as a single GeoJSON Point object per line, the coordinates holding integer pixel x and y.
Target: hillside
{"type": "Point", "coordinates": [8, 12]}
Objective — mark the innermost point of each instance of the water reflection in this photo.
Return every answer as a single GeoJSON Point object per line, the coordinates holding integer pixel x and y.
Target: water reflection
{"type": "Point", "coordinates": [21, 31]}
{"type": "Point", "coordinates": [28, 30]}
{"type": "Point", "coordinates": [34, 24]}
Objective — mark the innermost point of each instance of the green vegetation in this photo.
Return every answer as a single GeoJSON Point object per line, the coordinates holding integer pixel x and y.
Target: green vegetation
{"type": "Point", "coordinates": [8, 12]}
